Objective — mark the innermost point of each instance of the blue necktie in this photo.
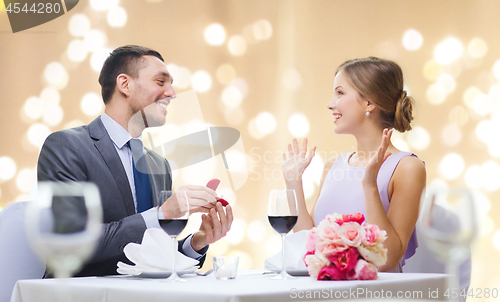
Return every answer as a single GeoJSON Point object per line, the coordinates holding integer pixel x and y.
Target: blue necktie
{"type": "Point", "coordinates": [143, 193]}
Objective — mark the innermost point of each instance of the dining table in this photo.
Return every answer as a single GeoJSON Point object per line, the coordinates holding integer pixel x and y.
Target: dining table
{"type": "Point", "coordinates": [249, 285]}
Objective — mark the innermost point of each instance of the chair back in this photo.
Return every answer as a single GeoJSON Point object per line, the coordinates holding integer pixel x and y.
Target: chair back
{"type": "Point", "coordinates": [17, 261]}
{"type": "Point", "coordinates": [424, 260]}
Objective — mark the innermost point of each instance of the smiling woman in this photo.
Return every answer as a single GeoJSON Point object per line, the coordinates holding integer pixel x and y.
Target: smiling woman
{"type": "Point", "coordinates": [369, 99]}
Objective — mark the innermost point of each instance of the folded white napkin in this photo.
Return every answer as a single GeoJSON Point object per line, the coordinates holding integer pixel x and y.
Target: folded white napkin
{"type": "Point", "coordinates": [295, 249]}
{"type": "Point", "coordinates": [154, 255]}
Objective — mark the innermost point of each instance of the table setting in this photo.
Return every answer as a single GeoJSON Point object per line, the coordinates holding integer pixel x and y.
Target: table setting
{"type": "Point", "coordinates": [304, 266]}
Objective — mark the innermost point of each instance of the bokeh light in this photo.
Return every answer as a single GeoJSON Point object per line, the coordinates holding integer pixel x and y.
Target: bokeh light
{"type": "Point", "coordinates": [432, 70]}
{"type": "Point", "coordinates": [117, 16]}
{"type": "Point", "coordinates": [470, 94]}
{"type": "Point", "coordinates": [473, 176]}
{"type": "Point", "coordinates": [477, 48]}
{"type": "Point", "coordinates": [237, 45]}
{"type": "Point", "coordinates": [242, 85]}
{"type": "Point", "coordinates": [451, 166]}
{"type": "Point", "coordinates": [215, 34]}
{"type": "Point", "coordinates": [482, 104]}
{"type": "Point", "coordinates": [26, 179]}
{"type": "Point", "coordinates": [298, 125]}
{"type": "Point", "coordinates": [447, 82]}
{"type": "Point", "coordinates": [225, 74]}
{"type": "Point", "coordinates": [50, 96]}
{"type": "Point", "coordinates": [37, 133]}
{"type": "Point", "coordinates": [487, 130]}
{"type": "Point", "coordinates": [412, 40]}
{"type": "Point", "coordinates": [491, 176]}
{"type": "Point", "coordinates": [92, 104]}
{"type": "Point", "coordinates": [79, 25]}
{"type": "Point", "coordinates": [33, 108]}
{"type": "Point", "coordinates": [53, 115]}
{"type": "Point", "coordinates": [256, 231]}
{"type": "Point", "coordinates": [181, 75]}
{"type": "Point", "coordinates": [231, 96]}
{"type": "Point", "coordinates": [237, 231]}
{"type": "Point", "coordinates": [7, 168]}
{"type": "Point", "coordinates": [419, 138]}
{"type": "Point", "coordinates": [448, 51]}
{"type": "Point", "coordinates": [201, 81]}
{"type": "Point", "coordinates": [436, 94]}
{"type": "Point", "coordinates": [266, 123]}
{"type": "Point", "coordinates": [103, 5]}
{"type": "Point", "coordinates": [55, 74]}
{"type": "Point", "coordinates": [77, 52]}
{"type": "Point", "coordinates": [98, 58]}
{"type": "Point", "coordinates": [94, 40]}
{"type": "Point", "coordinates": [262, 30]}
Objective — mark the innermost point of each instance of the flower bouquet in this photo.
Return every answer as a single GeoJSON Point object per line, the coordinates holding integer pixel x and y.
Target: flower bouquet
{"type": "Point", "coordinates": [345, 247]}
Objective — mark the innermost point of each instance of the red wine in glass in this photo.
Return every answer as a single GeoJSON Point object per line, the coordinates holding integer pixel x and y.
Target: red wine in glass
{"type": "Point", "coordinates": [173, 216]}
{"type": "Point", "coordinates": [283, 224]}
{"type": "Point", "coordinates": [282, 212]}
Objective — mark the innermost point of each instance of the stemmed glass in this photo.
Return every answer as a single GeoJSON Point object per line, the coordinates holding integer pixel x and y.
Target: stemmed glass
{"type": "Point", "coordinates": [63, 225]}
{"type": "Point", "coordinates": [283, 214]}
{"type": "Point", "coordinates": [178, 213]}
{"type": "Point", "coordinates": [448, 223]}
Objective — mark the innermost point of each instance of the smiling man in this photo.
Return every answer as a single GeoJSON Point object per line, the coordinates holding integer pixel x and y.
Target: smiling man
{"type": "Point", "coordinates": [136, 90]}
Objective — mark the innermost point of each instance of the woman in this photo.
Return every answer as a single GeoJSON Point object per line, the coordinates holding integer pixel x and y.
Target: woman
{"type": "Point", "coordinates": [377, 180]}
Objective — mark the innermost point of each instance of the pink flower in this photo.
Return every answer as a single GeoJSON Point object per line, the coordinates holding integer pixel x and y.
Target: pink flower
{"type": "Point", "coordinates": [352, 233]}
{"type": "Point", "coordinates": [328, 247]}
{"type": "Point", "coordinates": [345, 261]}
{"type": "Point", "coordinates": [375, 254]}
{"type": "Point", "coordinates": [315, 263]}
{"type": "Point", "coordinates": [330, 272]}
{"type": "Point", "coordinates": [373, 234]}
{"type": "Point", "coordinates": [312, 238]}
{"type": "Point", "coordinates": [328, 231]}
{"type": "Point", "coordinates": [358, 217]}
{"type": "Point", "coordinates": [364, 271]}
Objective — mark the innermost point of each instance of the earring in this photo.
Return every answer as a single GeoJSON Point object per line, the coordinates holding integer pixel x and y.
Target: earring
{"type": "Point", "coordinates": [367, 113]}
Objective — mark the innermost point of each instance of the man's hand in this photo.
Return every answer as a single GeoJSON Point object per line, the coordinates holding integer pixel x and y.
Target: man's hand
{"type": "Point", "coordinates": [200, 199]}
{"type": "Point", "coordinates": [213, 227]}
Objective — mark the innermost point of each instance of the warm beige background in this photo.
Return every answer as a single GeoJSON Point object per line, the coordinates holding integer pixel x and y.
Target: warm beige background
{"type": "Point", "coordinates": [312, 37]}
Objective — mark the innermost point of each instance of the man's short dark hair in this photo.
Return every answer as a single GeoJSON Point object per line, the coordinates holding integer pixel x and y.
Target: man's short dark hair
{"type": "Point", "coordinates": [126, 59]}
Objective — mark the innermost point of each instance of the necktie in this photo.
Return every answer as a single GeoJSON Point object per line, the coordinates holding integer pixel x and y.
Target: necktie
{"type": "Point", "coordinates": [143, 194]}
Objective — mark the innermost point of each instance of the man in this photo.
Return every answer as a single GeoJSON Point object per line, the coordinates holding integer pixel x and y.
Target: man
{"type": "Point", "coordinates": [136, 90]}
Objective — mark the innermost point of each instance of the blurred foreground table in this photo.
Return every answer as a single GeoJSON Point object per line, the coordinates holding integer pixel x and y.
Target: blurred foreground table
{"type": "Point", "coordinates": [248, 286]}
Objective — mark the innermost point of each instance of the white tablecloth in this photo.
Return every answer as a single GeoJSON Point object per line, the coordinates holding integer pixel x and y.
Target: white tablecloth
{"type": "Point", "coordinates": [248, 286]}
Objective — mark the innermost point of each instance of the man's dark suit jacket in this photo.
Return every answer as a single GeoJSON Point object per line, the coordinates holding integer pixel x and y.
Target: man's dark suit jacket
{"type": "Point", "coordinates": [87, 153]}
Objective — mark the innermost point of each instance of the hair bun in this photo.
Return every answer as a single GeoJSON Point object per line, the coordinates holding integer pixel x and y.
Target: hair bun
{"type": "Point", "coordinates": [403, 117]}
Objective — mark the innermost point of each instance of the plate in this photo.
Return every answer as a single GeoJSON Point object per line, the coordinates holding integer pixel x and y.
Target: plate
{"type": "Point", "coordinates": [162, 274]}
{"type": "Point", "coordinates": [293, 272]}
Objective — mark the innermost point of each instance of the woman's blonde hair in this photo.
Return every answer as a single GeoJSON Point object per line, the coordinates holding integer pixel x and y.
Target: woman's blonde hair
{"type": "Point", "coordinates": [381, 82]}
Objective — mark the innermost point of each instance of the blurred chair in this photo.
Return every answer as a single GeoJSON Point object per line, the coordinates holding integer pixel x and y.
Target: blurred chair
{"type": "Point", "coordinates": [424, 260]}
{"type": "Point", "coordinates": [17, 262]}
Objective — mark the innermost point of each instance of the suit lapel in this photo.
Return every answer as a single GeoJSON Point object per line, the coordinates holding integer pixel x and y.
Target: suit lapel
{"type": "Point", "coordinates": [106, 148]}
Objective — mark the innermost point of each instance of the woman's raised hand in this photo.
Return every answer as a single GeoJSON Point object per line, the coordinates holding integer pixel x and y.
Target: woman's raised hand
{"type": "Point", "coordinates": [374, 164]}
{"type": "Point", "coordinates": [297, 161]}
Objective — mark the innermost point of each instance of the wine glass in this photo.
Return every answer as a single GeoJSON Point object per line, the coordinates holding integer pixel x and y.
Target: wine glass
{"type": "Point", "coordinates": [63, 225]}
{"type": "Point", "coordinates": [448, 224]}
{"type": "Point", "coordinates": [282, 213]}
{"type": "Point", "coordinates": [173, 218]}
